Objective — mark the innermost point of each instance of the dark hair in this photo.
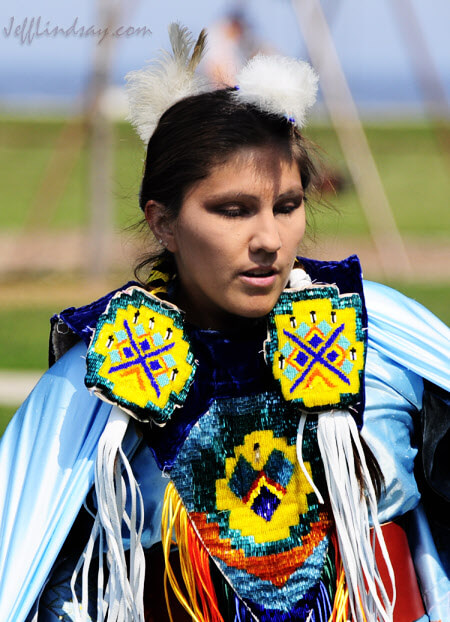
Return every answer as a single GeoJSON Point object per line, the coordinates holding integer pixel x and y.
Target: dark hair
{"type": "Point", "coordinates": [202, 131]}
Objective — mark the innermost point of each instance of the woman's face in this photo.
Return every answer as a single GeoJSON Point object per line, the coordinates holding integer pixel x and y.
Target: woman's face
{"type": "Point", "coordinates": [236, 237]}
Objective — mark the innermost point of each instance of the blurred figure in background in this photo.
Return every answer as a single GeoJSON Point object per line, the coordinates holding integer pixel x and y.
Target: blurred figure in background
{"type": "Point", "coordinates": [231, 42]}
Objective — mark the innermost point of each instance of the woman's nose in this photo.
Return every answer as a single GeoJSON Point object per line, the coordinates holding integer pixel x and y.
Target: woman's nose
{"type": "Point", "coordinates": [265, 234]}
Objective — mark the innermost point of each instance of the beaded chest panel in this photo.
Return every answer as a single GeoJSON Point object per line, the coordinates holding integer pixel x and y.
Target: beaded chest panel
{"type": "Point", "coordinates": [251, 505]}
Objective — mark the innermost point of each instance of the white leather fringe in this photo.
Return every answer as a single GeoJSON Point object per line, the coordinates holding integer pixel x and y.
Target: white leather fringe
{"type": "Point", "coordinates": [336, 434]}
{"type": "Point", "coordinates": [122, 598]}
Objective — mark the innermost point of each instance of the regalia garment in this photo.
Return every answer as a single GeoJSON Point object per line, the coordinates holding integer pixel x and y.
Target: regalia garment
{"type": "Point", "coordinates": [233, 461]}
{"type": "Point", "coordinates": [225, 418]}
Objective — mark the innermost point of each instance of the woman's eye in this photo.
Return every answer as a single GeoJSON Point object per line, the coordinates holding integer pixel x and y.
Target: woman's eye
{"type": "Point", "coordinates": [286, 208]}
{"type": "Point", "coordinates": [232, 211]}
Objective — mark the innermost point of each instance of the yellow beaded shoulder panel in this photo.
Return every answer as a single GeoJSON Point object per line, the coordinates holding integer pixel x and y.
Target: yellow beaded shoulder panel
{"type": "Point", "coordinates": [139, 357]}
{"type": "Point", "coordinates": [316, 347]}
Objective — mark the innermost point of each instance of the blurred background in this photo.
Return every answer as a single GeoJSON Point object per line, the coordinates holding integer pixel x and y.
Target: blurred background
{"type": "Point", "coordinates": [70, 165]}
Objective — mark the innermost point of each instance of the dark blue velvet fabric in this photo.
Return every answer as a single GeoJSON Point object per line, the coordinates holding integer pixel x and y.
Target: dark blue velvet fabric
{"type": "Point", "coordinates": [227, 366]}
{"type": "Point", "coordinates": [346, 274]}
{"type": "Point", "coordinates": [80, 321]}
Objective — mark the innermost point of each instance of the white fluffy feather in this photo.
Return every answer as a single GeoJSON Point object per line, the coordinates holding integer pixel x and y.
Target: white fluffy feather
{"type": "Point", "coordinates": [156, 87]}
{"type": "Point", "coordinates": [279, 85]}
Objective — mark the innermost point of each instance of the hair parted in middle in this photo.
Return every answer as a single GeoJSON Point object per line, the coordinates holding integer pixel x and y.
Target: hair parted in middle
{"type": "Point", "coordinates": [201, 132]}
{"type": "Point", "coordinates": [204, 127]}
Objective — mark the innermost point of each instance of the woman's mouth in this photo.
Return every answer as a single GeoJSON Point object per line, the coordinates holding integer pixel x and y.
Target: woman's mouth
{"type": "Point", "coordinates": [259, 277]}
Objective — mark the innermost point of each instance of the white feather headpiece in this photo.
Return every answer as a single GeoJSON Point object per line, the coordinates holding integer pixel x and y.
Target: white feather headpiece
{"type": "Point", "coordinates": [275, 84]}
{"type": "Point", "coordinates": [156, 87]}
{"type": "Point", "coordinates": [280, 85]}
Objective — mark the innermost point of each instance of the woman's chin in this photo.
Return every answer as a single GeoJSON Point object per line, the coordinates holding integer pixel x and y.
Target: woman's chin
{"type": "Point", "coordinates": [256, 309]}
{"type": "Point", "coordinates": [255, 313]}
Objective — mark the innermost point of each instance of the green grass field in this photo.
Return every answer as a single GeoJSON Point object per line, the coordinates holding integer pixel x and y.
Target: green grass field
{"type": "Point", "coordinates": [408, 158]}
{"type": "Point", "coordinates": [6, 412]}
{"type": "Point", "coordinates": [414, 173]}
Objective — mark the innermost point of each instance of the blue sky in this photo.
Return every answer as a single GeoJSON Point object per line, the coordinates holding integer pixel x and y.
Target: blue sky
{"type": "Point", "coordinates": [366, 34]}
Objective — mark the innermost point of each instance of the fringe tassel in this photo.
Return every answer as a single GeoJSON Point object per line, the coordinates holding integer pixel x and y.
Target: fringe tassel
{"type": "Point", "coordinates": [123, 598]}
{"type": "Point", "coordinates": [299, 446]}
{"type": "Point", "coordinates": [340, 603]}
{"type": "Point", "coordinates": [340, 607]}
{"type": "Point", "coordinates": [360, 589]}
{"type": "Point", "coordinates": [201, 601]}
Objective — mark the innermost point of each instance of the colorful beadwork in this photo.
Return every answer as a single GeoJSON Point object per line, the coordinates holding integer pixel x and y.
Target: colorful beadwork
{"type": "Point", "coordinates": [316, 347]}
{"type": "Point", "coordinates": [139, 357]}
{"type": "Point", "coordinates": [253, 508]}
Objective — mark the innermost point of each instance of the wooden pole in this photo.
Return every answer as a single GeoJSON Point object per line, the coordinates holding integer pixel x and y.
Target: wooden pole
{"type": "Point", "coordinates": [101, 148]}
{"type": "Point", "coordinates": [427, 76]}
{"type": "Point", "coordinates": [344, 116]}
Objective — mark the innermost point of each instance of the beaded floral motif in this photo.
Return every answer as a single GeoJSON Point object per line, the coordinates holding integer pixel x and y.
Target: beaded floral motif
{"type": "Point", "coordinates": [253, 508]}
{"type": "Point", "coordinates": [316, 347]}
{"type": "Point", "coordinates": [139, 357]}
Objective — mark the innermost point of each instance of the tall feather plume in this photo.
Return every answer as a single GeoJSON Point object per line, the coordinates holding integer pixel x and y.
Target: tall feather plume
{"type": "Point", "coordinates": [159, 85]}
{"type": "Point", "coordinates": [199, 49]}
{"type": "Point", "coordinates": [181, 40]}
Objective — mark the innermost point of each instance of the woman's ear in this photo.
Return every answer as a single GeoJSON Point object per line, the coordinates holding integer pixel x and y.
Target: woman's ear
{"type": "Point", "coordinates": [160, 224]}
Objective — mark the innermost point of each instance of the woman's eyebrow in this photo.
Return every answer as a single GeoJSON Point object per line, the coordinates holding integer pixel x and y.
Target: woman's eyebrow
{"type": "Point", "coordinates": [294, 193]}
{"type": "Point", "coordinates": [224, 197]}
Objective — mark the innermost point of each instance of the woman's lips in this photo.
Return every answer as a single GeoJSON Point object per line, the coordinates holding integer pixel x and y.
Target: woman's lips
{"type": "Point", "coordinates": [259, 278]}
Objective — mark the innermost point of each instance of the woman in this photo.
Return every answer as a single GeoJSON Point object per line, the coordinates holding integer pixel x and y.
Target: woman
{"type": "Point", "coordinates": [243, 370]}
